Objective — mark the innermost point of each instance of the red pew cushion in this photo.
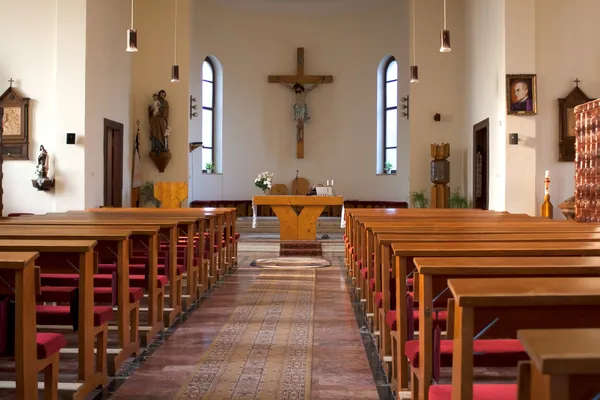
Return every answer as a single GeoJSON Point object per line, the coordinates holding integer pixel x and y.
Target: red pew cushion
{"type": "Point", "coordinates": [487, 353]}
{"type": "Point", "coordinates": [49, 343]}
{"type": "Point", "coordinates": [61, 315]}
{"type": "Point", "coordinates": [364, 272]}
{"type": "Point", "coordinates": [62, 294]}
{"type": "Point", "coordinates": [439, 318]}
{"type": "Point", "coordinates": [480, 392]}
{"type": "Point", "coordinates": [378, 297]}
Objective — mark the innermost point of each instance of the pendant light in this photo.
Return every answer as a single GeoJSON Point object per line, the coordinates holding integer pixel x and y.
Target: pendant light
{"type": "Point", "coordinates": [414, 68]}
{"type": "Point", "coordinates": [445, 35]}
{"type": "Point", "coordinates": [131, 35]}
{"type": "Point", "coordinates": [175, 67]}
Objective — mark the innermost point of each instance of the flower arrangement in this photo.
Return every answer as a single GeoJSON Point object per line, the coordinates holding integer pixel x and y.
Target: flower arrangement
{"type": "Point", "coordinates": [263, 181]}
{"type": "Point", "coordinates": [40, 171]}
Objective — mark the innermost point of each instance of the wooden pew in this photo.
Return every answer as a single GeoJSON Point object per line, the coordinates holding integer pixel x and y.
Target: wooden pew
{"type": "Point", "coordinates": [404, 253]}
{"type": "Point", "coordinates": [168, 225]}
{"type": "Point", "coordinates": [83, 250]}
{"type": "Point", "coordinates": [225, 222]}
{"type": "Point", "coordinates": [435, 272]}
{"type": "Point", "coordinates": [565, 363]}
{"type": "Point", "coordinates": [115, 240]}
{"type": "Point", "coordinates": [27, 362]}
{"type": "Point", "coordinates": [528, 303]}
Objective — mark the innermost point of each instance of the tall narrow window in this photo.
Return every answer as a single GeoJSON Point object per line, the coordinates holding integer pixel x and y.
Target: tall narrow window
{"type": "Point", "coordinates": [390, 115]}
{"type": "Point", "coordinates": [208, 113]}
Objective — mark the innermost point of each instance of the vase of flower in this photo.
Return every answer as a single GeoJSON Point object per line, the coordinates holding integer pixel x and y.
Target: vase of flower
{"type": "Point", "coordinates": [264, 181]}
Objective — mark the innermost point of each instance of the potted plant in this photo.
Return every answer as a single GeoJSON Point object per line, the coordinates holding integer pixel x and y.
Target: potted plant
{"type": "Point", "coordinates": [418, 199]}
{"type": "Point", "coordinates": [457, 200]}
{"type": "Point", "coordinates": [210, 167]}
{"type": "Point", "coordinates": [387, 167]}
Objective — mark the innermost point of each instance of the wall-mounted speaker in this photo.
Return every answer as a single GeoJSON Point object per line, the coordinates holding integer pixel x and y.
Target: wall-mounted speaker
{"type": "Point", "coordinates": [70, 138]}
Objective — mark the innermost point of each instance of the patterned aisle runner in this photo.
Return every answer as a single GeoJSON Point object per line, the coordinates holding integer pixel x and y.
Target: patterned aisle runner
{"type": "Point", "coordinates": [265, 349]}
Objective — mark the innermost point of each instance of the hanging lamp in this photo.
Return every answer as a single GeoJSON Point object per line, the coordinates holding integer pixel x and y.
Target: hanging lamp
{"type": "Point", "coordinates": [131, 35]}
{"type": "Point", "coordinates": [175, 67]}
{"type": "Point", "coordinates": [414, 68]}
{"type": "Point", "coordinates": [445, 36]}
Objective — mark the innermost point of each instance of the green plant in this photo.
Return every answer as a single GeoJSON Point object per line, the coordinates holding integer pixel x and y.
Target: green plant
{"type": "Point", "coordinates": [457, 200]}
{"type": "Point", "coordinates": [418, 199]}
{"type": "Point", "coordinates": [387, 167]}
{"type": "Point", "coordinates": [147, 194]}
{"type": "Point", "coordinates": [210, 167]}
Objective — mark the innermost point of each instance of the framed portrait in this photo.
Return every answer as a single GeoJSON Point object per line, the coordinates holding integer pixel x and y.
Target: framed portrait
{"type": "Point", "coordinates": [15, 125]}
{"type": "Point", "coordinates": [521, 94]}
{"type": "Point", "coordinates": [566, 122]}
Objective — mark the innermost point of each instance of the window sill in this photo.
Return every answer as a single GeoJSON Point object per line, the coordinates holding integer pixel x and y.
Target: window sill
{"type": "Point", "coordinates": [212, 173]}
{"type": "Point", "coordinates": [390, 174]}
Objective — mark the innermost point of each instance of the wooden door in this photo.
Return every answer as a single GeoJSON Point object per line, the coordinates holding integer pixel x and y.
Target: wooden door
{"type": "Point", "coordinates": [113, 164]}
{"type": "Point", "coordinates": [481, 164]}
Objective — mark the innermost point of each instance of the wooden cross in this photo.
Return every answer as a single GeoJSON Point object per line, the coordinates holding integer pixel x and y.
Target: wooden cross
{"type": "Point", "coordinates": [11, 81]}
{"type": "Point", "coordinates": [300, 78]}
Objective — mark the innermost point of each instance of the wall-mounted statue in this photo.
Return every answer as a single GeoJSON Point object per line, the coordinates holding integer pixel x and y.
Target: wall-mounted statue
{"type": "Point", "coordinates": [158, 114]}
{"type": "Point", "coordinates": [41, 181]}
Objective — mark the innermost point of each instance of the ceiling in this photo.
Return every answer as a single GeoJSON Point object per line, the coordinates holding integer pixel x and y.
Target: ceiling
{"type": "Point", "coordinates": [303, 7]}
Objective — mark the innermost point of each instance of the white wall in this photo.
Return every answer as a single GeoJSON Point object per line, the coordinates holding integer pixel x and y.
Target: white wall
{"type": "Point", "coordinates": [108, 93]}
{"type": "Point", "coordinates": [485, 94]}
{"type": "Point", "coordinates": [46, 56]}
{"type": "Point", "coordinates": [258, 128]}
{"type": "Point", "coordinates": [440, 89]}
{"type": "Point", "coordinates": [151, 72]}
{"type": "Point", "coordinates": [566, 49]}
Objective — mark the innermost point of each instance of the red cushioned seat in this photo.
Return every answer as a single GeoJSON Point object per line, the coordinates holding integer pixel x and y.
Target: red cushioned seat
{"type": "Point", "coordinates": [359, 264]}
{"type": "Point", "coordinates": [101, 280]}
{"type": "Point", "coordinates": [439, 319]}
{"type": "Point", "coordinates": [62, 294]}
{"type": "Point", "coordinates": [487, 353]}
{"type": "Point", "coordinates": [372, 283]}
{"type": "Point", "coordinates": [364, 272]}
{"type": "Point", "coordinates": [61, 315]}
{"type": "Point", "coordinates": [410, 281]}
{"type": "Point", "coordinates": [237, 235]}
{"type": "Point", "coordinates": [49, 343]}
{"type": "Point", "coordinates": [482, 391]}
{"type": "Point", "coordinates": [378, 299]}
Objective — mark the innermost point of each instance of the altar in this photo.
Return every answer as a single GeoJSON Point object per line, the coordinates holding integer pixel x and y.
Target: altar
{"type": "Point", "coordinates": [301, 225]}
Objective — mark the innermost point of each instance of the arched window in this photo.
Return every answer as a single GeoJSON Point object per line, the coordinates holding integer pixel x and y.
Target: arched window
{"type": "Point", "coordinates": [390, 114]}
{"type": "Point", "coordinates": [208, 113]}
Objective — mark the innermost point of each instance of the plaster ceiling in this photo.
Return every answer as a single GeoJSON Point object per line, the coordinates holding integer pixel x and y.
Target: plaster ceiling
{"type": "Point", "coordinates": [304, 7]}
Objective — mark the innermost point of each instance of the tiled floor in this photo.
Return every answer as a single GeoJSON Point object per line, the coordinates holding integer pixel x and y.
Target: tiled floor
{"type": "Point", "coordinates": [340, 367]}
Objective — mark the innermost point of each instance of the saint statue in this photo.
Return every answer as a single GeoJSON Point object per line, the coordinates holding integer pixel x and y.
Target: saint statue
{"type": "Point", "coordinates": [42, 165]}
{"type": "Point", "coordinates": [158, 113]}
{"type": "Point", "coordinates": [300, 109]}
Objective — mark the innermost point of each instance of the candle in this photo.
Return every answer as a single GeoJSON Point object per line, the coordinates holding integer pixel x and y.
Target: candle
{"type": "Point", "coordinates": [547, 174]}
{"type": "Point", "coordinates": [332, 182]}
{"type": "Point", "coordinates": [327, 182]}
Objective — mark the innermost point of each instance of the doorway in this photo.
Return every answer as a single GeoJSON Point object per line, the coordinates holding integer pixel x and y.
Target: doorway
{"type": "Point", "coordinates": [481, 164]}
{"type": "Point", "coordinates": [113, 164]}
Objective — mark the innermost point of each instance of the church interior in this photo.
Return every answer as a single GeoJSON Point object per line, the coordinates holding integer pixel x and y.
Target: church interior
{"type": "Point", "coordinates": [295, 199]}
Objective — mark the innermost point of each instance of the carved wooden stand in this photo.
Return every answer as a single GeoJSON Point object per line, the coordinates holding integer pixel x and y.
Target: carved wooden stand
{"type": "Point", "coordinates": [440, 175]}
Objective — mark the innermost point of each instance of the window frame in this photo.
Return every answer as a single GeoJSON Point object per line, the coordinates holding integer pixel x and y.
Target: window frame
{"type": "Point", "coordinates": [385, 112]}
{"type": "Point", "coordinates": [212, 111]}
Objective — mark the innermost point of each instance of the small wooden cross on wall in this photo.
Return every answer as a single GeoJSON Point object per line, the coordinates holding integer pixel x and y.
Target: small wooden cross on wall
{"type": "Point", "coordinates": [296, 84]}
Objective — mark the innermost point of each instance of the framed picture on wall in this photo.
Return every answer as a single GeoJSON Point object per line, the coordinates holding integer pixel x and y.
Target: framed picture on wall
{"type": "Point", "coordinates": [521, 94]}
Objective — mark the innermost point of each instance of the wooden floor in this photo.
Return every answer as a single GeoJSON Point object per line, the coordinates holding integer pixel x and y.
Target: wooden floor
{"type": "Point", "coordinates": [336, 340]}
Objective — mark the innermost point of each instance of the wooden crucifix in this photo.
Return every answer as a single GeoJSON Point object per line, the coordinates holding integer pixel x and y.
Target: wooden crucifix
{"type": "Point", "coordinates": [296, 84]}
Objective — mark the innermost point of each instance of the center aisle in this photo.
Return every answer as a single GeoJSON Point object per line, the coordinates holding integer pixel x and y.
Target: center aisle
{"type": "Point", "coordinates": [263, 333]}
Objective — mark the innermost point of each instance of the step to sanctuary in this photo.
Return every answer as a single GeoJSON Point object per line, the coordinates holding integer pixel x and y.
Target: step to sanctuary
{"type": "Point", "coordinates": [325, 225]}
{"type": "Point", "coordinates": [300, 248]}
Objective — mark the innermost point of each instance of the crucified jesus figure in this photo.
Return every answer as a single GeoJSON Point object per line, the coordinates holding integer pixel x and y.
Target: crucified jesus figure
{"type": "Point", "coordinates": [300, 110]}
